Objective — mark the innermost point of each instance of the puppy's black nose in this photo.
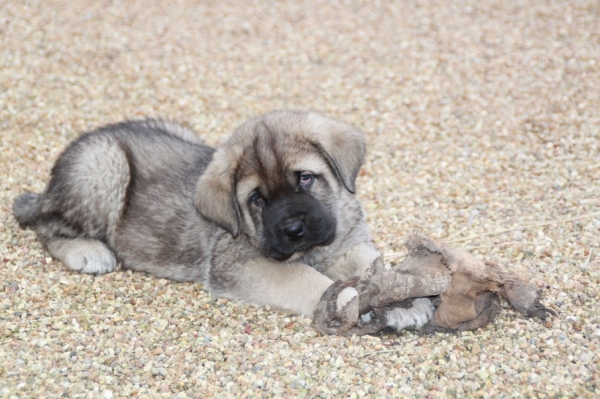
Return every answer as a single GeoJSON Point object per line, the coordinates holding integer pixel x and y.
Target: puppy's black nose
{"type": "Point", "coordinates": [294, 231]}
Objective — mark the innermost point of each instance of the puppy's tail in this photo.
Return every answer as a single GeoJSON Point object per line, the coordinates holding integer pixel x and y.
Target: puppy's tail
{"type": "Point", "coordinates": [25, 208]}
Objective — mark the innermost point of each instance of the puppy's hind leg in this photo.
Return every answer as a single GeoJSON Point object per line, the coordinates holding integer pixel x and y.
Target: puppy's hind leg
{"type": "Point", "coordinates": [75, 218]}
{"type": "Point", "coordinates": [83, 255]}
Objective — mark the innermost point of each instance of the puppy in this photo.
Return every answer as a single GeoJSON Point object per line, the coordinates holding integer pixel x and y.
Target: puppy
{"type": "Point", "coordinates": [268, 217]}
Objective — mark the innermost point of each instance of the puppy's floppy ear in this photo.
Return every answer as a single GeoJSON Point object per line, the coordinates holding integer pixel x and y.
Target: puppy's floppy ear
{"type": "Point", "coordinates": [342, 145]}
{"type": "Point", "coordinates": [215, 195]}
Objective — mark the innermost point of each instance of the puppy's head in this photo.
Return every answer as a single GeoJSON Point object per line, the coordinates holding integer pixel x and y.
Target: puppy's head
{"type": "Point", "coordinates": [277, 180]}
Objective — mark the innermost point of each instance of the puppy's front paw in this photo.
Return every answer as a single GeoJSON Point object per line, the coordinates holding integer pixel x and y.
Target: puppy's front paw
{"type": "Point", "coordinates": [337, 312]}
{"type": "Point", "coordinates": [345, 296]}
{"type": "Point", "coordinates": [411, 318]}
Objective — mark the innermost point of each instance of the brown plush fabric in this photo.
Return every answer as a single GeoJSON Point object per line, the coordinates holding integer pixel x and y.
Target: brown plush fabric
{"type": "Point", "coordinates": [469, 291]}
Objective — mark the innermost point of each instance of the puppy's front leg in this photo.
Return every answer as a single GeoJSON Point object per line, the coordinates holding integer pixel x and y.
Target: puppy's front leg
{"type": "Point", "coordinates": [291, 286]}
{"type": "Point", "coordinates": [355, 262]}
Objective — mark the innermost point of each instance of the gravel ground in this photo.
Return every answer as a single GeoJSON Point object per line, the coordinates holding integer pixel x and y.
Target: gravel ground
{"type": "Point", "coordinates": [483, 127]}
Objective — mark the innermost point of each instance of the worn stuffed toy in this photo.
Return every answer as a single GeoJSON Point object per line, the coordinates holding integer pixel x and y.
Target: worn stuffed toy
{"type": "Point", "coordinates": [467, 292]}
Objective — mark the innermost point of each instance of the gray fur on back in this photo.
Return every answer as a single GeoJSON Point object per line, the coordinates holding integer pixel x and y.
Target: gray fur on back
{"type": "Point", "coordinates": [130, 186]}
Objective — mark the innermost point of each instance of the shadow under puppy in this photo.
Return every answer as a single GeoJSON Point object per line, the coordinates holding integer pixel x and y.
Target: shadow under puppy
{"type": "Point", "coordinates": [269, 217]}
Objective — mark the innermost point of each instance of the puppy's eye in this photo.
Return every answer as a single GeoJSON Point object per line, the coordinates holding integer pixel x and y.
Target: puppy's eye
{"type": "Point", "coordinates": [257, 200]}
{"type": "Point", "coordinates": [306, 179]}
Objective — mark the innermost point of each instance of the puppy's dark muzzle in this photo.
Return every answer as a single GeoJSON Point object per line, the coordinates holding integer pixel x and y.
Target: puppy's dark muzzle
{"type": "Point", "coordinates": [295, 223]}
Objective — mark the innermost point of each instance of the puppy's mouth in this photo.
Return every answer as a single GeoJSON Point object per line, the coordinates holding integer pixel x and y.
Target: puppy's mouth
{"type": "Point", "coordinates": [282, 255]}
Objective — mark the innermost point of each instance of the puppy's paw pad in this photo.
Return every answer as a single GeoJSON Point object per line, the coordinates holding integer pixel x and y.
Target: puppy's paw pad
{"type": "Point", "coordinates": [345, 296]}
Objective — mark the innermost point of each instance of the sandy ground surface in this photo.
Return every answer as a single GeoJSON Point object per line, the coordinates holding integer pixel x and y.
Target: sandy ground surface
{"type": "Point", "coordinates": [483, 127]}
